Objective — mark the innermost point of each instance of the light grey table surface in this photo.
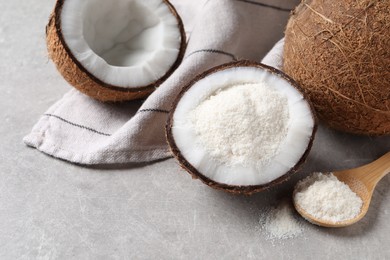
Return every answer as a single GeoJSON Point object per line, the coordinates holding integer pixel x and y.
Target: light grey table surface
{"type": "Point", "coordinates": [50, 209]}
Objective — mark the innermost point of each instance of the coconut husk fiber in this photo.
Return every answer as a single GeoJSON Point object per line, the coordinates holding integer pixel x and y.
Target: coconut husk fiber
{"type": "Point", "coordinates": [339, 52]}
{"type": "Point", "coordinates": [77, 76]}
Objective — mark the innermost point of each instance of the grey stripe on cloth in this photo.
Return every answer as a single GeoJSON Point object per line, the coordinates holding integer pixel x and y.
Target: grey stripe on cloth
{"type": "Point", "coordinates": [153, 110]}
{"type": "Point", "coordinates": [266, 5]}
{"type": "Point", "coordinates": [77, 125]}
{"type": "Point", "coordinates": [213, 51]}
{"type": "Point", "coordinates": [84, 131]}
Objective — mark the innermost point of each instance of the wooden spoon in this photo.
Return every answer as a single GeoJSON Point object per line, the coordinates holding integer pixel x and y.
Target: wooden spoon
{"type": "Point", "coordinates": [362, 181]}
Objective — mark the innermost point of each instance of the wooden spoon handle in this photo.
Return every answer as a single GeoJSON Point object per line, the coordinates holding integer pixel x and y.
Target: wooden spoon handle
{"type": "Point", "coordinates": [373, 172]}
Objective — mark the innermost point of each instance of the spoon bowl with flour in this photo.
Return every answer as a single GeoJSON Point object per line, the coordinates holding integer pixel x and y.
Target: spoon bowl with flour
{"type": "Point", "coordinates": [342, 198]}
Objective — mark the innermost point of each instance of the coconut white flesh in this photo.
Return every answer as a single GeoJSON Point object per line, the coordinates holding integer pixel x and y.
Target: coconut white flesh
{"type": "Point", "coordinates": [300, 128]}
{"type": "Point", "coordinates": [125, 43]}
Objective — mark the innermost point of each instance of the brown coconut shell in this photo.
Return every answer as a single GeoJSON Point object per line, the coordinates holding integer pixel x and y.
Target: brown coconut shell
{"type": "Point", "coordinates": [234, 189]}
{"type": "Point", "coordinates": [79, 77]}
{"type": "Point", "coordinates": [339, 52]}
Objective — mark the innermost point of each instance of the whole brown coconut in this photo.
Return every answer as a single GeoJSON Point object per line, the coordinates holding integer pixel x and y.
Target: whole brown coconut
{"type": "Point", "coordinates": [339, 52]}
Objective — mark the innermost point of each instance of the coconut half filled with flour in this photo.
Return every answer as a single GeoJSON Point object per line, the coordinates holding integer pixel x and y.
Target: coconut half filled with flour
{"type": "Point", "coordinates": [241, 127]}
{"type": "Point", "coordinates": [115, 50]}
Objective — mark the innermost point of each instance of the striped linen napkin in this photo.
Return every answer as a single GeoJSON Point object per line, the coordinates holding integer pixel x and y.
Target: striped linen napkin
{"type": "Point", "coordinates": [81, 130]}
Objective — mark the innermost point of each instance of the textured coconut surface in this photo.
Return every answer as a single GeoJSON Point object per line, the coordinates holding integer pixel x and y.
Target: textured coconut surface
{"type": "Point", "coordinates": [339, 52]}
{"type": "Point", "coordinates": [50, 209]}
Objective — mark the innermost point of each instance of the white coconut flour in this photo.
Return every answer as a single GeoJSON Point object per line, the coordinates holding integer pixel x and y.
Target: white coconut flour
{"type": "Point", "coordinates": [325, 197]}
{"type": "Point", "coordinates": [280, 222]}
{"type": "Point", "coordinates": [242, 124]}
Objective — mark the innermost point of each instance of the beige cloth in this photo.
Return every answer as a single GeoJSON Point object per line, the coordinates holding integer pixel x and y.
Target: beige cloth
{"type": "Point", "coordinates": [82, 130]}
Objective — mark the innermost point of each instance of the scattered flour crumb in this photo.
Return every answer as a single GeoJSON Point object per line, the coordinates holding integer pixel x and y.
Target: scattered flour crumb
{"type": "Point", "coordinates": [281, 222]}
{"type": "Point", "coordinates": [325, 197]}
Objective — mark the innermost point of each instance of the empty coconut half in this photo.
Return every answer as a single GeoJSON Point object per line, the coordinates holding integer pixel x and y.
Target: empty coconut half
{"type": "Point", "coordinates": [241, 127]}
{"type": "Point", "coordinates": [115, 50]}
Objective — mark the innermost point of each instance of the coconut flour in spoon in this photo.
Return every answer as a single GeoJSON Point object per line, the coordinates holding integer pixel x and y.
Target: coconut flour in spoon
{"type": "Point", "coordinates": [325, 197]}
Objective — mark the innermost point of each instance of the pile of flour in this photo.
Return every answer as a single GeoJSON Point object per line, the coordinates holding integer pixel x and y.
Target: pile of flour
{"type": "Point", "coordinates": [325, 197]}
{"type": "Point", "coordinates": [242, 124]}
{"type": "Point", "coordinates": [281, 222]}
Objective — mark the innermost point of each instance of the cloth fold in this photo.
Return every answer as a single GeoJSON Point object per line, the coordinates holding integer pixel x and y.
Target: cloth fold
{"type": "Point", "coordinates": [85, 131]}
